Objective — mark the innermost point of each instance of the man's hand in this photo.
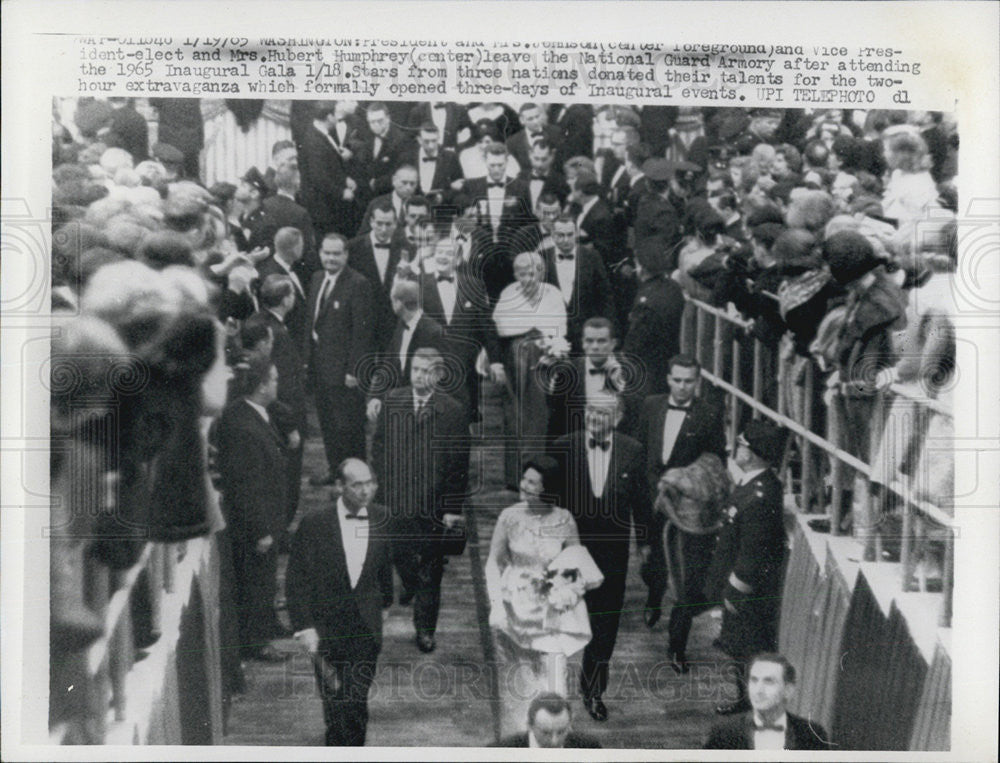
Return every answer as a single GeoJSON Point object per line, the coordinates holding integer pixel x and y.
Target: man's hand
{"type": "Point", "coordinates": [350, 381]}
{"type": "Point", "coordinates": [729, 606]}
{"type": "Point", "coordinates": [309, 638]}
{"type": "Point", "coordinates": [497, 374]}
{"type": "Point", "coordinates": [498, 616]}
{"type": "Point", "coordinates": [259, 254]}
{"type": "Point", "coordinates": [264, 544]}
{"type": "Point", "coordinates": [373, 409]}
{"type": "Point", "coordinates": [346, 154]}
{"type": "Point", "coordinates": [294, 439]}
{"type": "Point", "coordinates": [452, 520]}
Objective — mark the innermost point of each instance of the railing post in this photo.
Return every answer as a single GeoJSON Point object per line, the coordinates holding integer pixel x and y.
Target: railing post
{"type": "Point", "coordinates": [807, 422]}
{"type": "Point", "coordinates": [699, 335]}
{"type": "Point", "coordinates": [947, 578]}
{"type": "Point", "coordinates": [906, 546]}
{"type": "Point", "coordinates": [758, 376]}
{"type": "Point", "coordinates": [834, 430]}
{"type": "Point", "coordinates": [734, 420]}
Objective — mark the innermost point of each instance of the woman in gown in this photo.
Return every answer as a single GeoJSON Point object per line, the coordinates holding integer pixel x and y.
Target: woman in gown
{"type": "Point", "coordinates": [536, 575]}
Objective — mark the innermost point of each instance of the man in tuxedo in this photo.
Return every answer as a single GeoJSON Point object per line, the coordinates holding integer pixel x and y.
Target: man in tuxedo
{"type": "Point", "coordinates": [550, 724]}
{"type": "Point", "coordinates": [576, 125]}
{"type": "Point", "coordinates": [282, 211]}
{"type": "Point", "coordinates": [746, 571]}
{"type": "Point", "coordinates": [575, 380]}
{"type": "Point", "coordinates": [252, 471]}
{"type": "Point", "coordinates": [770, 726]}
{"type": "Point", "coordinates": [404, 185]}
{"type": "Point", "coordinates": [503, 209]}
{"type": "Point", "coordinates": [594, 221]}
{"type": "Point", "coordinates": [376, 255]}
{"type": "Point", "coordinates": [341, 312]}
{"type": "Point", "coordinates": [603, 490]}
{"type": "Point", "coordinates": [339, 580]}
{"type": "Point", "coordinates": [578, 271]}
{"type": "Point", "coordinates": [654, 323]}
{"type": "Point", "coordinates": [535, 129]}
{"type": "Point", "coordinates": [456, 298]}
{"type": "Point", "coordinates": [541, 178]}
{"type": "Point", "coordinates": [328, 192]}
{"type": "Point", "coordinates": [277, 300]}
{"type": "Point", "coordinates": [421, 454]}
{"type": "Point", "coordinates": [413, 330]}
{"type": "Point", "coordinates": [676, 429]}
{"type": "Point", "coordinates": [288, 250]}
{"type": "Point", "coordinates": [451, 120]}
{"type": "Point", "coordinates": [437, 167]}
{"type": "Point", "coordinates": [384, 148]}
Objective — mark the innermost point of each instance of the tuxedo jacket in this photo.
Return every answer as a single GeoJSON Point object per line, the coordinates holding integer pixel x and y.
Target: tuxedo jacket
{"type": "Point", "coordinates": [421, 460]}
{"type": "Point", "coordinates": [252, 473]}
{"type": "Point", "coordinates": [345, 327]}
{"type": "Point", "coordinates": [520, 143]}
{"type": "Point", "coordinates": [604, 521]}
{"type": "Point", "coordinates": [516, 211]}
{"type": "Point", "coordinates": [324, 178]}
{"type": "Point", "coordinates": [361, 257]}
{"type": "Point", "coordinates": [456, 120]}
{"type": "Point", "coordinates": [378, 168]}
{"type": "Point", "coordinates": [427, 333]}
{"type": "Point", "coordinates": [319, 588]}
{"type": "Point", "coordinates": [597, 228]}
{"type": "Point", "coordinates": [554, 182]}
{"type": "Point", "coordinates": [703, 431]}
{"type": "Point", "coordinates": [283, 212]}
{"type": "Point", "coordinates": [446, 170]}
{"type": "Point", "coordinates": [573, 741]}
{"type": "Point", "coordinates": [737, 734]}
{"type": "Point", "coordinates": [567, 399]}
{"type": "Point", "coordinates": [591, 295]}
{"type": "Point", "coordinates": [470, 328]}
{"type": "Point", "coordinates": [297, 319]}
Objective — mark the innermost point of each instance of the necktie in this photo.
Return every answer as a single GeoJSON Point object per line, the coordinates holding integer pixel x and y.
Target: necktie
{"type": "Point", "coordinates": [359, 515]}
{"type": "Point", "coordinates": [430, 159]}
{"type": "Point", "coordinates": [449, 279]}
{"type": "Point", "coordinates": [602, 444]}
{"type": "Point", "coordinates": [562, 256]}
{"type": "Point", "coordinates": [324, 295]}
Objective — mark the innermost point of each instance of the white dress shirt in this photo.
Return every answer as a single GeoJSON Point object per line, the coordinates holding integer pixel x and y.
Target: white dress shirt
{"type": "Point", "coordinates": [747, 477]}
{"type": "Point", "coordinates": [261, 410]}
{"type": "Point", "coordinates": [598, 461]}
{"type": "Point", "coordinates": [341, 129]}
{"type": "Point", "coordinates": [770, 739]}
{"type": "Point", "coordinates": [672, 424]}
{"type": "Point", "coordinates": [425, 172]}
{"type": "Point", "coordinates": [566, 273]}
{"type": "Point", "coordinates": [291, 274]}
{"type": "Point", "coordinates": [463, 244]}
{"type": "Point", "coordinates": [593, 384]}
{"type": "Point", "coordinates": [381, 257]}
{"type": "Point", "coordinates": [448, 294]}
{"type": "Point", "coordinates": [495, 196]}
{"type": "Point", "coordinates": [404, 345]}
{"type": "Point", "coordinates": [354, 533]}
{"type": "Point", "coordinates": [376, 147]}
{"type": "Point", "coordinates": [535, 186]}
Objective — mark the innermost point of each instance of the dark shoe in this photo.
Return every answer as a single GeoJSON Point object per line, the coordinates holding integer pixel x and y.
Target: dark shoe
{"type": "Point", "coordinates": [678, 663]}
{"type": "Point", "coordinates": [741, 705]}
{"type": "Point", "coordinates": [651, 616]}
{"type": "Point", "coordinates": [269, 654]}
{"type": "Point", "coordinates": [405, 597]}
{"type": "Point", "coordinates": [425, 643]}
{"type": "Point", "coordinates": [595, 706]}
{"type": "Point", "coordinates": [318, 481]}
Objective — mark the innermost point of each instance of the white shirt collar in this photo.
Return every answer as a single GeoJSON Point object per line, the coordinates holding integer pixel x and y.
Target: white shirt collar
{"type": "Point", "coordinates": [412, 323]}
{"type": "Point", "coordinates": [749, 477]}
{"type": "Point", "coordinates": [260, 409]}
{"type": "Point", "coordinates": [342, 511]}
{"type": "Point", "coordinates": [782, 720]}
{"type": "Point", "coordinates": [588, 206]}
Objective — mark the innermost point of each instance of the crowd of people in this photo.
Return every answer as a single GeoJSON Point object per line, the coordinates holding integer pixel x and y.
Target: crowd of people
{"type": "Point", "coordinates": [393, 264]}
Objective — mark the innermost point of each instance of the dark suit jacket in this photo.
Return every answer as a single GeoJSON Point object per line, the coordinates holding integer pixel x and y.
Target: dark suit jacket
{"type": "Point", "coordinates": [573, 741]}
{"type": "Point", "coordinates": [361, 257]}
{"type": "Point", "coordinates": [456, 120]}
{"type": "Point", "coordinates": [283, 212]}
{"type": "Point", "coordinates": [130, 131]}
{"type": "Point", "coordinates": [422, 462]}
{"type": "Point", "coordinates": [324, 178]}
{"type": "Point", "coordinates": [576, 122]}
{"type": "Point", "coordinates": [252, 472]}
{"type": "Point", "coordinates": [291, 372]}
{"type": "Point", "coordinates": [598, 230]}
{"type": "Point", "coordinates": [591, 290]}
{"type": "Point", "coordinates": [446, 171]}
{"type": "Point", "coordinates": [703, 431]}
{"type": "Point", "coordinates": [345, 327]}
{"type": "Point", "coordinates": [378, 169]}
{"type": "Point", "coordinates": [654, 127]}
{"type": "Point", "coordinates": [427, 333]}
{"type": "Point", "coordinates": [752, 545]}
{"type": "Point", "coordinates": [737, 734]}
{"type": "Point", "coordinates": [297, 320]}
{"type": "Point", "coordinates": [520, 146]}
{"type": "Point", "coordinates": [604, 521]}
{"type": "Point", "coordinates": [319, 588]}
{"type": "Point", "coordinates": [654, 329]}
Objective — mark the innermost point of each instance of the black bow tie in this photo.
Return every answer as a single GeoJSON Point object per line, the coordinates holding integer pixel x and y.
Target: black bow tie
{"type": "Point", "coordinates": [439, 105]}
{"type": "Point", "coordinates": [596, 370]}
{"type": "Point", "coordinates": [672, 407]}
{"type": "Point", "coordinates": [602, 444]}
{"type": "Point", "coordinates": [495, 185]}
{"type": "Point", "coordinates": [449, 279]}
{"type": "Point", "coordinates": [536, 135]}
{"type": "Point", "coordinates": [429, 159]}
{"type": "Point", "coordinates": [562, 256]}
{"type": "Point", "coordinates": [359, 515]}
{"type": "Point", "coordinates": [461, 237]}
{"type": "Point", "coordinates": [380, 246]}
